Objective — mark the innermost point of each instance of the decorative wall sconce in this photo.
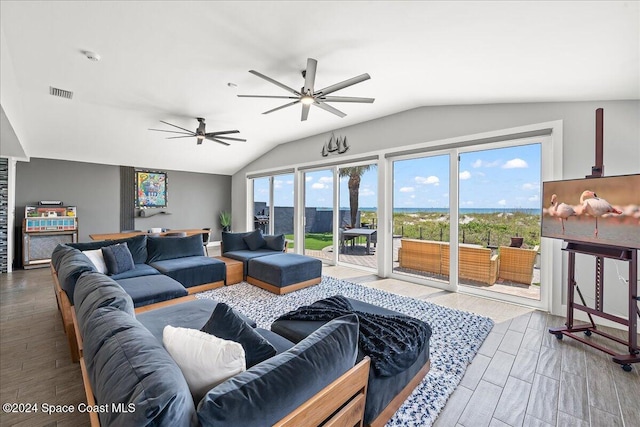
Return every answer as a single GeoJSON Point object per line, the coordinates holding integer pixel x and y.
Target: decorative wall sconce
{"type": "Point", "coordinates": [335, 145]}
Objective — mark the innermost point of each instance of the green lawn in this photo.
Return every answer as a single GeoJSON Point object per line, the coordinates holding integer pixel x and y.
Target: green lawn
{"type": "Point", "coordinates": [314, 241]}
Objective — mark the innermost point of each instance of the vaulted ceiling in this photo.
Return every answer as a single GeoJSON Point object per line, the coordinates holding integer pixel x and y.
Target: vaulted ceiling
{"type": "Point", "coordinates": [173, 61]}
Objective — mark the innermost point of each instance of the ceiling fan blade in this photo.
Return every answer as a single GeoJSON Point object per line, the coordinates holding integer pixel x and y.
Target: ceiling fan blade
{"type": "Point", "coordinates": [175, 137]}
{"type": "Point", "coordinates": [349, 82]}
{"type": "Point", "coordinates": [310, 77]}
{"type": "Point", "coordinates": [330, 109]}
{"type": "Point", "coordinates": [305, 111]}
{"type": "Point", "coordinates": [173, 131]}
{"type": "Point", "coordinates": [267, 96]}
{"type": "Point", "coordinates": [345, 99]}
{"type": "Point", "coordinates": [277, 83]}
{"type": "Point", "coordinates": [222, 132]}
{"type": "Point", "coordinates": [228, 137]}
{"type": "Point", "coordinates": [282, 106]}
{"type": "Point", "coordinates": [201, 127]}
{"type": "Point", "coordinates": [167, 123]}
{"type": "Point", "coordinates": [217, 140]}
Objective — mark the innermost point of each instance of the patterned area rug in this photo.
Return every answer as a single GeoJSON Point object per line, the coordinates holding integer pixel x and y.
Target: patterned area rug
{"type": "Point", "coordinates": [457, 335]}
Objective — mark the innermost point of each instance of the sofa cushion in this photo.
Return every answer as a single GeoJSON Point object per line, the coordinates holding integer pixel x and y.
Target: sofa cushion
{"type": "Point", "coordinates": [163, 248]}
{"type": "Point", "coordinates": [193, 270]}
{"type": "Point", "coordinates": [137, 271]}
{"type": "Point", "coordinates": [283, 269]}
{"type": "Point", "coordinates": [72, 264]}
{"type": "Point", "coordinates": [270, 390]}
{"type": "Point", "coordinates": [137, 246]}
{"type": "Point", "coordinates": [118, 258]}
{"type": "Point", "coordinates": [95, 290]}
{"type": "Point", "coordinates": [226, 324]}
{"type": "Point", "coordinates": [147, 376]}
{"type": "Point", "coordinates": [189, 314]}
{"type": "Point", "coordinates": [281, 344]}
{"type": "Point", "coordinates": [234, 241]}
{"type": "Point", "coordinates": [97, 259]}
{"type": "Point", "coordinates": [246, 255]}
{"type": "Point", "coordinates": [275, 242]}
{"type": "Point", "coordinates": [145, 290]}
{"type": "Point", "coordinates": [204, 359]}
{"type": "Point", "coordinates": [60, 251]}
{"type": "Point", "coordinates": [255, 240]}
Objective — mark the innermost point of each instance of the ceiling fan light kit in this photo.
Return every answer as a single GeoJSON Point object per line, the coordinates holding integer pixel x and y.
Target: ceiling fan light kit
{"type": "Point", "coordinates": [307, 96]}
{"type": "Point", "coordinates": [201, 134]}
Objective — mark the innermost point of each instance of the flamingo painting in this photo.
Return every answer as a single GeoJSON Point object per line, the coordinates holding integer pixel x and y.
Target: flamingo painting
{"type": "Point", "coordinates": [594, 206]}
{"type": "Point", "coordinates": [562, 211]}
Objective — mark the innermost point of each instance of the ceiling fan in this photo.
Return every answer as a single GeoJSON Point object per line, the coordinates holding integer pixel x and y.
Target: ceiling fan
{"type": "Point", "coordinates": [201, 133]}
{"type": "Point", "coordinates": [307, 96]}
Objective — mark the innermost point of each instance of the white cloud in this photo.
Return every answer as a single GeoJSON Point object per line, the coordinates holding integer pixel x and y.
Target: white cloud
{"type": "Point", "coordinates": [366, 192]}
{"type": "Point", "coordinates": [318, 186]}
{"type": "Point", "coordinates": [534, 198]}
{"type": "Point", "coordinates": [308, 178]}
{"type": "Point", "coordinates": [502, 202]}
{"type": "Point", "coordinates": [413, 196]}
{"type": "Point", "coordinates": [427, 180]}
{"type": "Point", "coordinates": [407, 190]}
{"type": "Point", "coordinates": [326, 179]}
{"type": "Point", "coordinates": [531, 186]}
{"type": "Point", "coordinates": [515, 164]}
{"type": "Point", "coordinates": [484, 164]}
{"type": "Point", "coordinates": [465, 175]}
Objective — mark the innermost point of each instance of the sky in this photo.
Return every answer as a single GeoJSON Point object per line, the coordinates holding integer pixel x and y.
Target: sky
{"type": "Point", "coordinates": [498, 178]}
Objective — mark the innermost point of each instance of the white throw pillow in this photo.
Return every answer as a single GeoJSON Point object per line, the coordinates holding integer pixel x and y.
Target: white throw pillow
{"type": "Point", "coordinates": [205, 360]}
{"type": "Point", "coordinates": [97, 259]}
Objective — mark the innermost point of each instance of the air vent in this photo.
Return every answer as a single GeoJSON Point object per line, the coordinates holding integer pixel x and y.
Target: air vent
{"type": "Point", "coordinates": [60, 92]}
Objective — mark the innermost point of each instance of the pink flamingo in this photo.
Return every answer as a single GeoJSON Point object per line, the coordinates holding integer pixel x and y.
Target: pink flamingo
{"type": "Point", "coordinates": [592, 205]}
{"type": "Point", "coordinates": [562, 211]}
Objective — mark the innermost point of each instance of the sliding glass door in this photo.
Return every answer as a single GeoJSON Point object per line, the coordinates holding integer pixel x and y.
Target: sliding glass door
{"type": "Point", "coordinates": [499, 220]}
{"type": "Point", "coordinates": [421, 217]}
{"type": "Point", "coordinates": [318, 214]}
{"type": "Point", "coordinates": [358, 215]}
{"type": "Point", "coordinates": [273, 205]}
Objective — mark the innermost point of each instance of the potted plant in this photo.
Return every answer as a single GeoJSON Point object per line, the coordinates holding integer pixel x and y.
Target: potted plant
{"type": "Point", "coordinates": [225, 220]}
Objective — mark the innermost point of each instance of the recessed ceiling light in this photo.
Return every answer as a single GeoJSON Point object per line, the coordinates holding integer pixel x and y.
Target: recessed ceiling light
{"type": "Point", "coordinates": [91, 56]}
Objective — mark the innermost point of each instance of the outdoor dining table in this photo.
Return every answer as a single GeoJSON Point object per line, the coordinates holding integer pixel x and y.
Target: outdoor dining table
{"type": "Point", "coordinates": [359, 232]}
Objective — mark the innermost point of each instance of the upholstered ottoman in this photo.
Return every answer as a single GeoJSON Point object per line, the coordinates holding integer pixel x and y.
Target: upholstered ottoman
{"type": "Point", "coordinates": [283, 273]}
{"type": "Point", "coordinates": [385, 394]}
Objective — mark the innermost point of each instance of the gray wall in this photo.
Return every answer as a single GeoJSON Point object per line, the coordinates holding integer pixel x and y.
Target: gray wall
{"type": "Point", "coordinates": [194, 199]}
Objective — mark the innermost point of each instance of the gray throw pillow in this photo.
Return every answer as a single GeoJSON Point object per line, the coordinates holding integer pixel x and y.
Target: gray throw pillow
{"type": "Point", "coordinates": [275, 242]}
{"type": "Point", "coordinates": [117, 258]}
{"type": "Point", "coordinates": [226, 324]}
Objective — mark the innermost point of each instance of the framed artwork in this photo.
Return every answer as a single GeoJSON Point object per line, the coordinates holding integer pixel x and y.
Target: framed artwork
{"type": "Point", "coordinates": [151, 189]}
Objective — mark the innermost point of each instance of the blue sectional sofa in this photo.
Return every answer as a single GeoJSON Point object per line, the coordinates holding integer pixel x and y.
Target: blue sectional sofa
{"type": "Point", "coordinates": [153, 270]}
{"type": "Point", "coordinates": [299, 385]}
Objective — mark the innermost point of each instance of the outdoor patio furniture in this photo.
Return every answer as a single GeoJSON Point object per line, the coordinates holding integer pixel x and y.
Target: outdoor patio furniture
{"type": "Point", "coordinates": [354, 233]}
{"type": "Point", "coordinates": [475, 262]}
{"type": "Point", "coordinates": [516, 264]}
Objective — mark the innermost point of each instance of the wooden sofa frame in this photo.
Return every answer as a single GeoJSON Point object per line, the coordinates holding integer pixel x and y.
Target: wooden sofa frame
{"type": "Point", "coordinates": [475, 262]}
{"type": "Point", "coordinates": [67, 312]}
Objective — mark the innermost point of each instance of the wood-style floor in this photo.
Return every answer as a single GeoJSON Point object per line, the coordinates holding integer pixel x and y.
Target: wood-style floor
{"type": "Point", "coordinates": [522, 375]}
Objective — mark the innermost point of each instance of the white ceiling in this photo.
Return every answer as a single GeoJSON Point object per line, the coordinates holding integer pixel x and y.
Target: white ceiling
{"type": "Point", "coordinates": [172, 61]}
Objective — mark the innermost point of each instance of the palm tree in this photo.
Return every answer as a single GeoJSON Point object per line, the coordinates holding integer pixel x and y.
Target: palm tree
{"type": "Point", "coordinates": [355, 174]}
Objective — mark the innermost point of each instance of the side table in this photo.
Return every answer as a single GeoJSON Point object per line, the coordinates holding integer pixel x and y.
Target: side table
{"type": "Point", "coordinates": [234, 270]}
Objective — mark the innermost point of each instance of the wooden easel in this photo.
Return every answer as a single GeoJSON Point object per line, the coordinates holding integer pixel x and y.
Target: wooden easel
{"type": "Point", "coordinates": [601, 252]}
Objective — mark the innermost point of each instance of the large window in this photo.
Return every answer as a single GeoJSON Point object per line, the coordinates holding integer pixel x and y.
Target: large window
{"type": "Point", "coordinates": [273, 205]}
{"type": "Point", "coordinates": [421, 217]}
{"type": "Point", "coordinates": [318, 216]}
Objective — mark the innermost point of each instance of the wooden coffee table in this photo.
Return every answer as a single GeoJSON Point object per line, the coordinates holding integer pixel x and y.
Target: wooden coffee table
{"type": "Point", "coordinates": [234, 270]}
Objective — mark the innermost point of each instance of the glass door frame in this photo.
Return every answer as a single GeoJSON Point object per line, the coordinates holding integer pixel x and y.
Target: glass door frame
{"type": "Point", "coordinates": [549, 170]}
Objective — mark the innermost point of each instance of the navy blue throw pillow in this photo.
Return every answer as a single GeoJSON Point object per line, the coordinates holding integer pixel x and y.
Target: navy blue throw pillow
{"type": "Point", "coordinates": [275, 242]}
{"type": "Point", "coordinates": [117, 258]}
{"type": "Point", "coordinates": [226, 324]}
{"type": "Point", "coordinates": [255, 240]}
